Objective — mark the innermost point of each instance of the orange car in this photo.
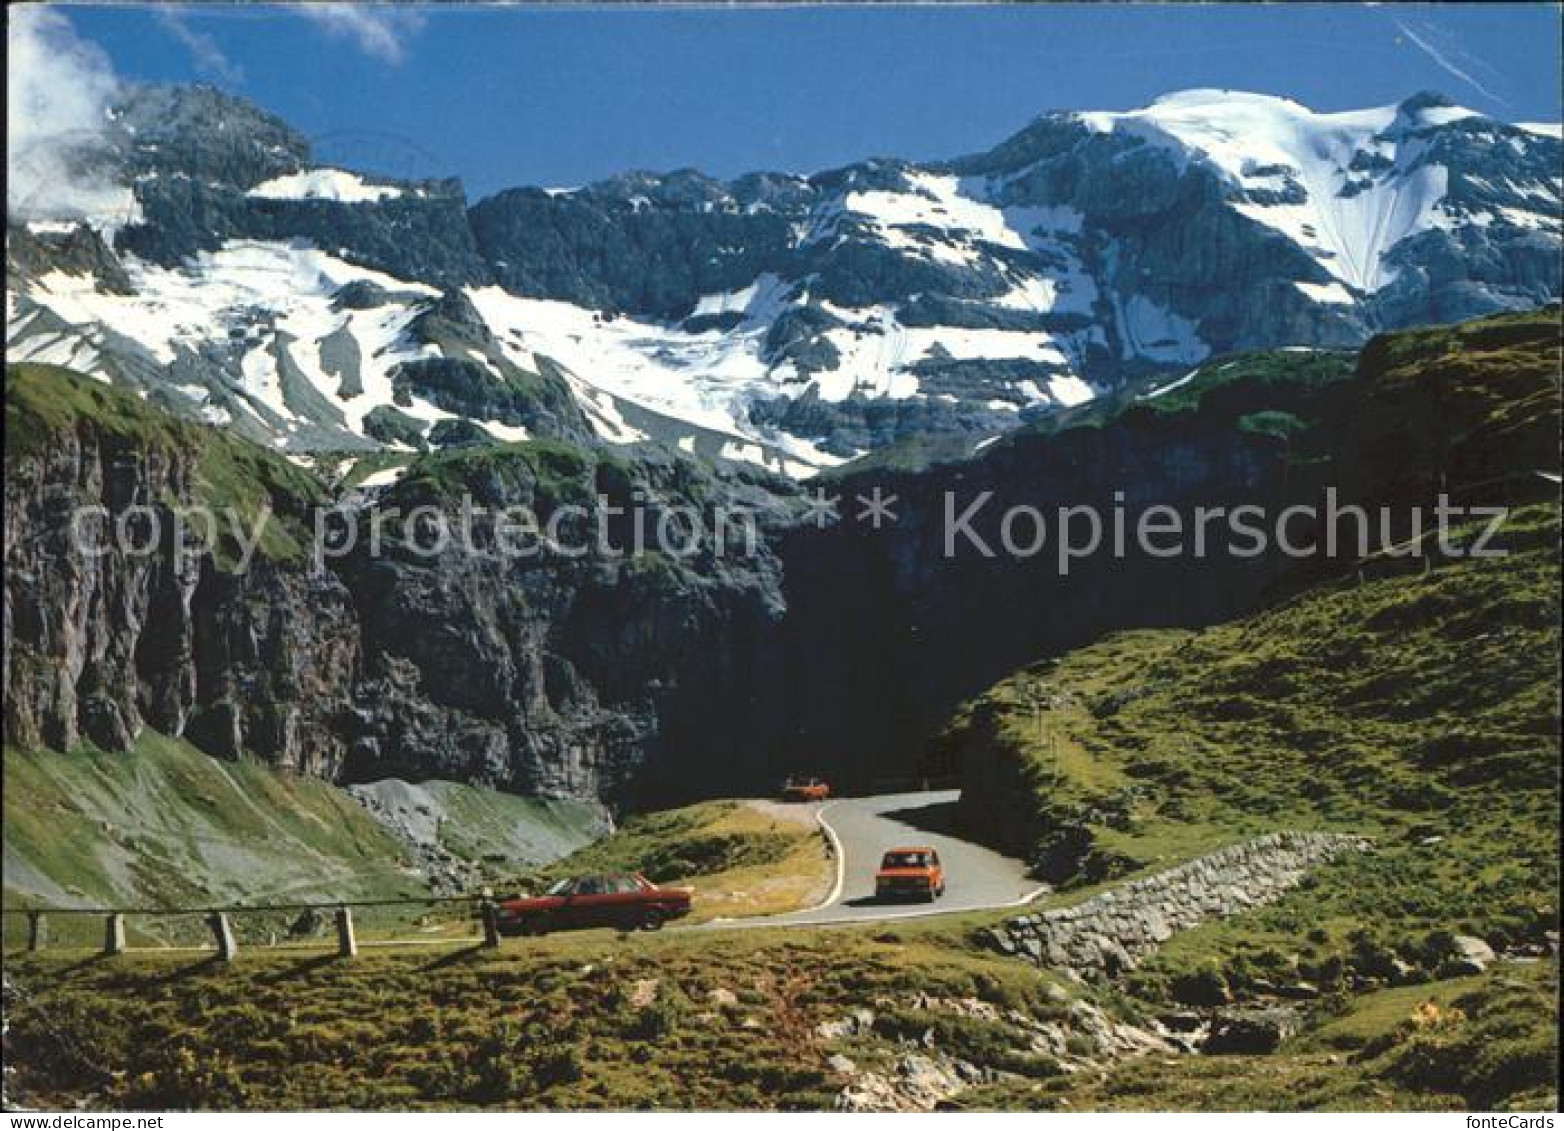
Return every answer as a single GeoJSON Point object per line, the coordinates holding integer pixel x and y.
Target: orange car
{"type": "Point", "coordinates": [805, 789]}
{"type": "Point", "coordinates": [910, 873]}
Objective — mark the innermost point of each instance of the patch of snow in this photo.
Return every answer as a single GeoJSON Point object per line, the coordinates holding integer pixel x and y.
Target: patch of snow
{"type": "Point", "coordinates": [324, 184]}
{"type": "Point", "coordinates": [1150, 331]}
{"type": "Point", "coordinates": [1032, 292]}
{"type": "Point", "coordinates": [743, 453]}
{"type": "Point", "coordinates": [1168, 388]}
{"type": "Point", "coordinates": [946, 218]}
{"type": "Point", "coordinates": [1545, 129]}
{"type": "Point", "coordinates": [1330, 293]}
{"type": "Point", "coordinates": [707, 379]}
{"type": "Point", "coordinates": [510, 433]}
{"type": "Point", "coordinates": [261, 381]}
{"type": "Point", "coordinates": [383, 478]}
{"type": "Point", "coordinates": [420, 409]}
{"type": "Point", "coordinates": [761, 301]}
{"type": "Point", "coordinates": [934, 203]}
{"type": "Point", "coordinates": [1444, 115]}
{"type": "Point", "coordinates": [1070, 390]}
{"type": "Point", "coordinates": [969, 345]}
{"type": "Point", "coordinates": [215, 291]}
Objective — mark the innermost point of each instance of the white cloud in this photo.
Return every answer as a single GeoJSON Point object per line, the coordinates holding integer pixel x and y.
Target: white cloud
{"type": "Point", "coordinates": [378, 30]}
{"type": "Point", "coordinates": [59, 88]}
{"type": "Point", "coordinates": [202, 47]}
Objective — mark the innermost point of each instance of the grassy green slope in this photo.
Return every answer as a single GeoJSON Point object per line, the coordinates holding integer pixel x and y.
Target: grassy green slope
{"type": "Point", "coordinates": [1410, 707]}
{"type": "Point", "coordinates": [476, 836]}
{"type": "Point", "coordinates": [167, 825]}
{"type": "Point", "coordinates": [749, 1019]}
{"type": "Point", "coordinates": [677, 1020]}
{"type": "Point", "coordinates": [486, 824]}
{"type": "Point", "coordinates": [1421, 709]}
{"type": "Point", "coordinates": [739, 859]}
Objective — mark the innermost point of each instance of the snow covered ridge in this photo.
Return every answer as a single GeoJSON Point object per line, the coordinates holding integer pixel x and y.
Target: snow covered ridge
{"type": "Point", "coordinates": [258, 335]}
{"type": "Point", "coordinates": [1346, 187]}
{"type": "Point", "coordinates": [261, 316]}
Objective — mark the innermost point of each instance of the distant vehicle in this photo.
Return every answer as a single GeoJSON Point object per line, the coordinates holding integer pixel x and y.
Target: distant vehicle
{"type": "Point", "coordinates": [910, 873]}
{"type": "Point", "coordinates": [805, 789]}
{"type": "Point", "coordinates": [624, 902]}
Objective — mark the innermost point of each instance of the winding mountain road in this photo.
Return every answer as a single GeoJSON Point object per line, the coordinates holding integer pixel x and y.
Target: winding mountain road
{"type": "Point", "coordinates": [862, 828]}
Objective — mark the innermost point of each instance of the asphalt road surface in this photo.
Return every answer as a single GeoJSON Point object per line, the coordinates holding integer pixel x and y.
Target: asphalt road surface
{"type": "Point", "coordinates": [864, 827]}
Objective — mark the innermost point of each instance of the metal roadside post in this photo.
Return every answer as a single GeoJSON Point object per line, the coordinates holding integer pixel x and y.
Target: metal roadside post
{"type": "Point", "coordinates": [114, 934]}
{"type": "Point", "coordinates": [491, 921]}
{"type": "Point", "coordinates": [347, 941]}
{"type": "Point", "coordinates": [227, 948]}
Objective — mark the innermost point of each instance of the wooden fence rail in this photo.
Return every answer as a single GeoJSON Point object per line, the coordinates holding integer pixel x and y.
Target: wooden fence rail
{"type": "Point", "coordinates": [239, 909]}
{"type": "Point", "coordinates": [219, 920]}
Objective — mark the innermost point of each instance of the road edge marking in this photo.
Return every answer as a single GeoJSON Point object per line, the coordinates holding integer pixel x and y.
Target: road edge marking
{"type": "Point", "coordinates": [761, 921]}
{"type": "Point", "coordinates": [841, 862]}
{"type": "Point", "coordinates": [919, 913]}
{"type": "Point", "coordinates": [836, 887]}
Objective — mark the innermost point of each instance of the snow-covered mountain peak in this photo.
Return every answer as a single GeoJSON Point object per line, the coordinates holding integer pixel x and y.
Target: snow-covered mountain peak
{"type": "Point", "coordinates": [1345, 186]}
{"type": "Point", "coordinates": [785, 320]}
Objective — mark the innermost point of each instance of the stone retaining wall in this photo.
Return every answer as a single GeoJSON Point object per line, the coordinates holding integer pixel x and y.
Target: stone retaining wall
{"type": "Point", "coordinates": [1113, 931]}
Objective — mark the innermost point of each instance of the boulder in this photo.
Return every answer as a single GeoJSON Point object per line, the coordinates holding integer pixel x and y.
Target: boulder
{"type": "Point", "coordinates": [1253, 1032]}
{"type": "Point", "coordinates": [1472, 956]}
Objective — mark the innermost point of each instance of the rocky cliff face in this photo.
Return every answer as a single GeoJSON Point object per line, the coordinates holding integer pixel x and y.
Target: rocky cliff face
{"type": "Point", "coordinates": [552, 675]}
{"type": "Point", "coordinates": [890, 618]}
{"type": "Point", "coordinates": [559, 676]}
{"type": "Point", "coordinates": [201, 162]}
{"type": "Point", "coordinates": [106, 633]}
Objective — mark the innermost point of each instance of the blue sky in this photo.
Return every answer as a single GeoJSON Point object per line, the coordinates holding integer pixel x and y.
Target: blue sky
{"type": "Point", "coordinates": [519, 95]}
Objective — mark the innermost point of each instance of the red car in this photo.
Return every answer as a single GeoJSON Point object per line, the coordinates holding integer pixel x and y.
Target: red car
{"type": "Point", "coordinates": [805, 789]}
{"type": "Point", "coordinates": [623, 902]}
